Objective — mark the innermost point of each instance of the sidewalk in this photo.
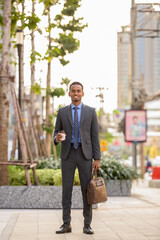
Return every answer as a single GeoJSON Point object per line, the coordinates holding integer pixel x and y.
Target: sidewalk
{"type": "Point", "coordinates": [120, 218]}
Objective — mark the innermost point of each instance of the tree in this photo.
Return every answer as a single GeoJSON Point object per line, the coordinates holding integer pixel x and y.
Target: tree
{"type": "Point", "coordinates": [4, 93]}
{"type": "Point", "coordinates": [65, 43]}
{"type": "Point", "coordinates": [62, 44]}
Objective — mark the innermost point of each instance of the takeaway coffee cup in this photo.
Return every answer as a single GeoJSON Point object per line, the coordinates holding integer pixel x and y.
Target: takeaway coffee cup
{"type": "Point", "coordinates": [63, 135]}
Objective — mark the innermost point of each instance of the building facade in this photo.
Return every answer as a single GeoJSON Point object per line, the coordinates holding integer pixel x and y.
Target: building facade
{"type": "Point", "coordinates": [147, 55]}
{"type": "Point", "coordinates": [124, 68]}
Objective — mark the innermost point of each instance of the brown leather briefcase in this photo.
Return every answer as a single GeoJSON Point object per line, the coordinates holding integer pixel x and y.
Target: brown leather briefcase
{"type": "Point", "coordinates": [96, 189]}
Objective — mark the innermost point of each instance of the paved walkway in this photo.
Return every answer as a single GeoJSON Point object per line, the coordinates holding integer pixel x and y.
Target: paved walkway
{"type": "Point", "coordinates": [120, 218]}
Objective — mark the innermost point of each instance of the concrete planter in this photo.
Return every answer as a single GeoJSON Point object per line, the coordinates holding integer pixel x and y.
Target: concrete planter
{"type": "Point", "coordinates": [49, 197]}
{"type": "Point", "coordinates": [36, 197]}
{"type": "Point", "coordinates": [118, 187]}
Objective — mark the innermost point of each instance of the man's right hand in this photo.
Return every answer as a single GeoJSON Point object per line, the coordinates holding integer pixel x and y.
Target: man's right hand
{"type": "Point", "coordinates": [59, 137]}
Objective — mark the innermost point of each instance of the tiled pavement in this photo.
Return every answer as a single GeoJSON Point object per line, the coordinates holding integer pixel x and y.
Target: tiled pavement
{"type": "Point", "coordinates": [120, 218]}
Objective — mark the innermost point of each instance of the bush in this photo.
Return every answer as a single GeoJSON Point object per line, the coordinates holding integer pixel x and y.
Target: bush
{"type": "Point", "coordinates": [49, 163]}
{"type": "Point", "coordinates": [49, 175]}
{"type": "Point", "coordinates": [16, 176]}
{"type": "Point", "coordinates": [46, 177]}
{"type": "Point", "coordinates": [114, 169]}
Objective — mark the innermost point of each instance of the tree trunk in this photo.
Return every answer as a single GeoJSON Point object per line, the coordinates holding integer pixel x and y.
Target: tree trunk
{"type": "Point", "coordinates": [48, 107]}
{"type": "Point", "coordinates": [33, 95]}
{"type": "Point", "coordinates": [34, 142]}
{"type": "Point", "coordinates": [22, 70]}
{"type": "Point", "coordinates": [14, 142]}
{"type": "Point", "coordinates": [4, 93]}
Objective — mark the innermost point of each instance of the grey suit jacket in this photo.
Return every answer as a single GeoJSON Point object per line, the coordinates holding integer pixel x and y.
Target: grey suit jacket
{"type": "Point", "coordinates": [88, 131]}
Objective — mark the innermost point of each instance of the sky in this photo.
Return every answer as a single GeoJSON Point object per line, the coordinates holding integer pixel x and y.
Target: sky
{"type": "Point", "coordinates": [95, 63]}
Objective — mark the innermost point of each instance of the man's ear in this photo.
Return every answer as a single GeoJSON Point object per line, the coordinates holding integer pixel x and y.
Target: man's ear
{"type": "Point", "coordinates": [83, 94]}
{"type": "Point", "coordinates": [69, 94]}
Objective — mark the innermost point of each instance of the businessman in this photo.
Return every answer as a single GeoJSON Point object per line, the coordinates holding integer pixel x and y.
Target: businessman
{"type": "Point", "coordinates": [80, 147]}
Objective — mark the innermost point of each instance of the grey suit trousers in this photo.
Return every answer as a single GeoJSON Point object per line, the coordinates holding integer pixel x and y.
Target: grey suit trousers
{"type": "Point", "coordinates": [75, 159]}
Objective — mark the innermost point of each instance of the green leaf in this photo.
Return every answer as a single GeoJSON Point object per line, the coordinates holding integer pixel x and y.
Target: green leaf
{"type": "Point", "coordinates": [70, 7]}
{"type": "Point", "coordinates": [32, 21]}
{"type": "Point", "coordinates": [63, 61]}
{"type": "Point", "coordinates": [57, 92]}
{"type": "Point", "coordinates": [69, 43]}
{"type": "Point", "coordinates": [36, 88]}
{"type": "Point", "coordinates": [50, 127]}
{"type": "Point", "coordinates": [48, 3]}
{"type": "Point", "coordinates": [58, 17]}
{"type": "Point", "coordinates": [53, 52]}
{"type": "Point", "coordinates": [74, 25]}
{"type": "Point", "coordinates": [65, 81]}
{"type": "Point", "coordinates": [35, 56]}
{"type": "Point", "coordinates": [39, 30]}
{"type": "Point", "coordinates": [1, 20]}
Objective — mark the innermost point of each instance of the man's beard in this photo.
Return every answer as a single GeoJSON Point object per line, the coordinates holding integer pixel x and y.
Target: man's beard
{"type": "Point", "coordinates": [76, 100]}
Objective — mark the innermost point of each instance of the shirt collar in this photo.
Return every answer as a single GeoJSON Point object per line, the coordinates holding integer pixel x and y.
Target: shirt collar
{"type": "Point", "coordinates": [79, 106]}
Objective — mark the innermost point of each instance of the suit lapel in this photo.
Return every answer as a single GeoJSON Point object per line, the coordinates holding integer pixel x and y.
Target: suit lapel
{"type": "Point", "coordinates": [83, 112]}
{"type": "Point", "coordinates": [69, 114]}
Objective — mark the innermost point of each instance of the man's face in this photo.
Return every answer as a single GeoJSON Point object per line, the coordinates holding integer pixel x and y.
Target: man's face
{"type": "Point", "coordinates": [135, 120]}
{"type": "Point", "coordinates": [76, 93]}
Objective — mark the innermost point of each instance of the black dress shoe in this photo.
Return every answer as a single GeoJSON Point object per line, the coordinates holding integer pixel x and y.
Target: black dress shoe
{"type": "Point", "coordinates": [65, 228]}
{"type": "Point", "coordinates": [88, 230]}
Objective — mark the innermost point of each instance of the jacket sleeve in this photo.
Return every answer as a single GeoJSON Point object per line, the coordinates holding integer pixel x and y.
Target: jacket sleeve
{"type": "Point", "coordinates": [95, 137]}
{"type": "Point", "coordinates": [58, 127]}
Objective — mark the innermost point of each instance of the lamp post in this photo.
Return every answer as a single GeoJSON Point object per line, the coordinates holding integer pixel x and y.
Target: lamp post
{"type": "Point", "coordinates": [19, 47]}
{"type": "Point", "coordinates": [19, 36]}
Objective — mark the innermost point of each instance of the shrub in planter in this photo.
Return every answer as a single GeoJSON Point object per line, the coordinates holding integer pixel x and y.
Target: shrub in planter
{"type": "Point", "coordinates": [46, 177]}
{"type": "Point", "coordinates": [16, 176]}
{"type": "Point", "coordinates": [49, 163]}
{"type": "Point", "coordinates": [117, 176]}
{"type": "Point", "coordinates": [115, 170]}
{"type": "Point", "coordinates": [110, 169]}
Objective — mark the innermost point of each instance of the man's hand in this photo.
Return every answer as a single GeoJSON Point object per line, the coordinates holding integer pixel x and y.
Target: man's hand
{"type": "Point", "coordinates": [96, 164]}
{"type": "Point", "coordinates": [59, 137]}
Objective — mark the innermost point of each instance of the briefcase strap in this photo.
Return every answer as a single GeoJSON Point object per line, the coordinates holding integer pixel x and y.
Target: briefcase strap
{"type": "Point", "coordinates": [94, 173]}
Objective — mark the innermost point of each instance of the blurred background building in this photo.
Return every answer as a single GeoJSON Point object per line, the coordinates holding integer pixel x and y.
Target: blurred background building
{"type": "Point", "coordinates": [147, 55]}
{"type": "Point", "coordinates": [124, 67]}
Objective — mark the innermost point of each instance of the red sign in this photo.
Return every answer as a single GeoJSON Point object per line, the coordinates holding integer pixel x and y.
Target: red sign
{"type": "Point", "coordinates": [156, 173]}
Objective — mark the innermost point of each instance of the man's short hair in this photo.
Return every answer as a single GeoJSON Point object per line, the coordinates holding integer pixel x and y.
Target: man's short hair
{"type": "Point", "coordinates": [135, 117]}
{"type": "Point", "coordinates": [76, 83]}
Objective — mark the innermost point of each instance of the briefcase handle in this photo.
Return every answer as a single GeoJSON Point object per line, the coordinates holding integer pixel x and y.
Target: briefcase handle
{"type": "Point", "coordinates": [94, 173]}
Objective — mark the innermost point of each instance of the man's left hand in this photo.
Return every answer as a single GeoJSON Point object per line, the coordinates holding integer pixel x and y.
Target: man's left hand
{"type": "Point", "coordinates": [96, 164]}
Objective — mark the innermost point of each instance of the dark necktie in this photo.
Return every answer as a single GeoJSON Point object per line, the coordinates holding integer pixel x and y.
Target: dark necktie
{"type": "Point", "coordinates": [75, 128]}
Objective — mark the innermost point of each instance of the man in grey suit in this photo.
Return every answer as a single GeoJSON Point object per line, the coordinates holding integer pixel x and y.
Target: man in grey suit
{"type": "Point", "coordinates": [81, 146]}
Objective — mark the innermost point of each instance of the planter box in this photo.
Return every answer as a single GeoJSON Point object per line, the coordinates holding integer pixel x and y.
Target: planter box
{"type": "Point", "coordinates": [118, 187]}
{"type": "Point", "coordinates": [49, 197]}
{"type": "Point", "coordinates": [35, 197]}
